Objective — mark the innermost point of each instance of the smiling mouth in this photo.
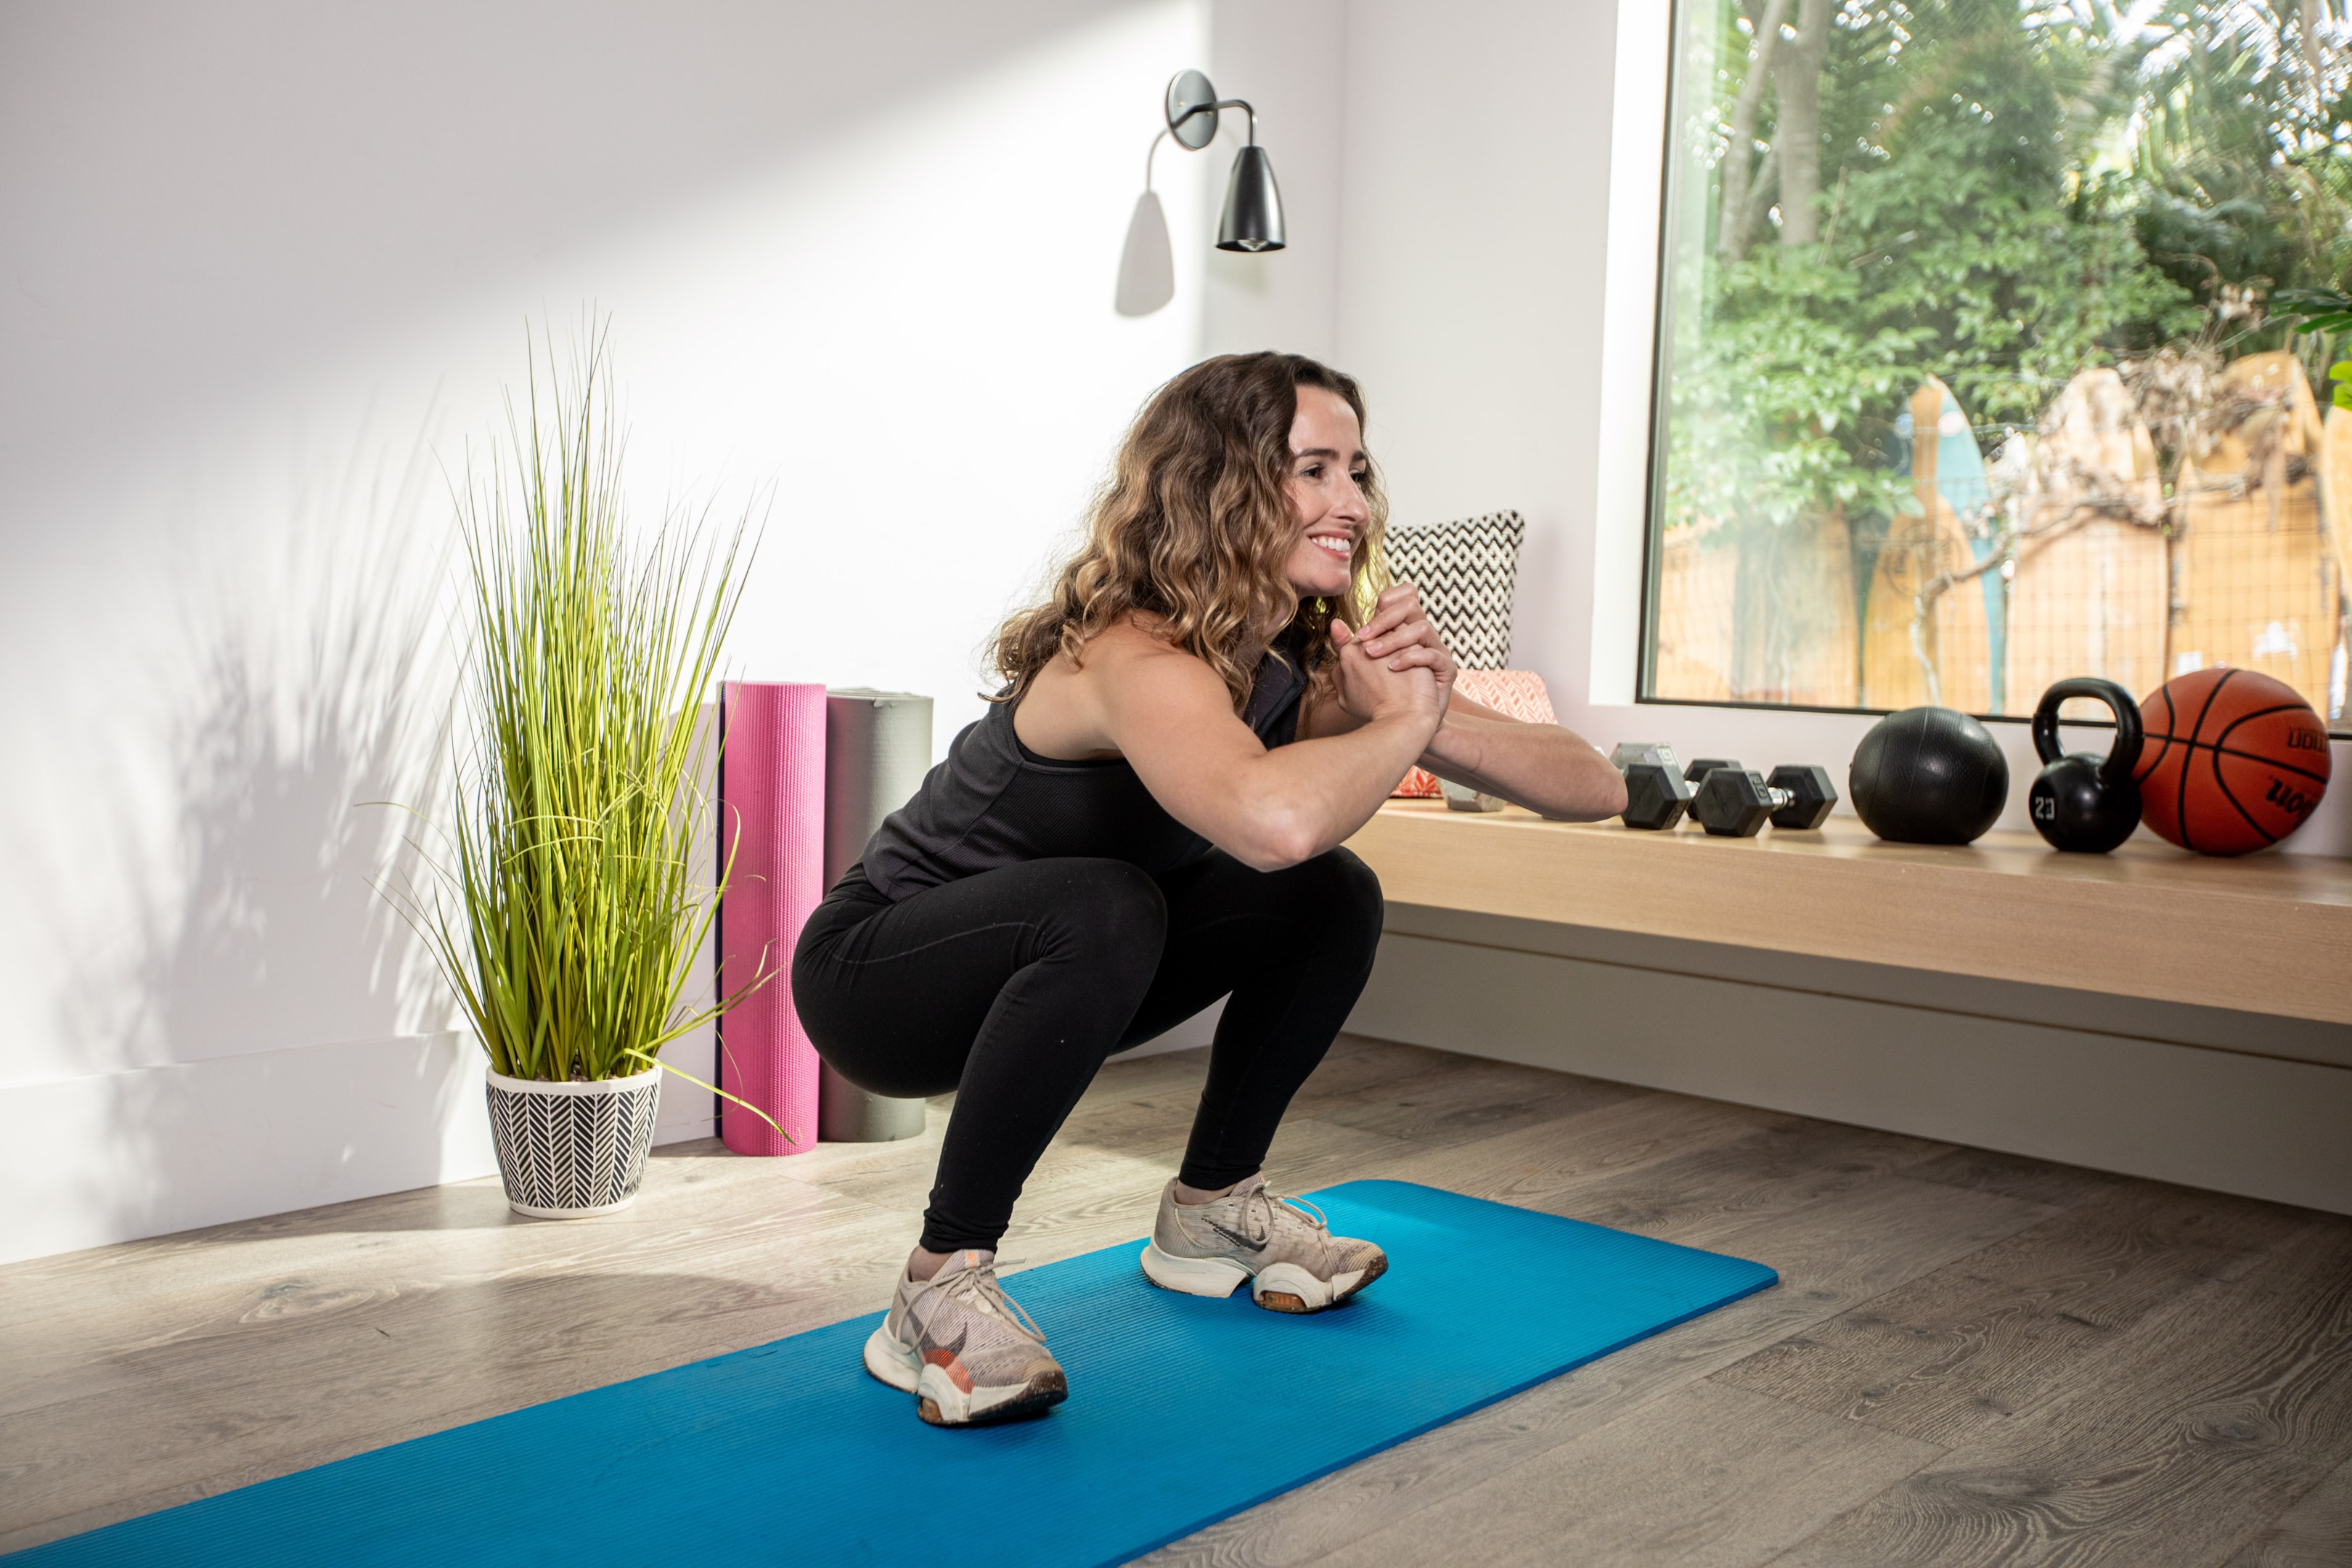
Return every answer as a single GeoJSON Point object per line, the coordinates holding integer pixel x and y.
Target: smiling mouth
{"type": "Point", "coordinates": [1338, 544]}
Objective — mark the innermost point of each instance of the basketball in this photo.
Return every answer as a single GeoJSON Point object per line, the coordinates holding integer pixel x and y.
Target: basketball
{"type": "Point", "coordinates": [2233, 760]}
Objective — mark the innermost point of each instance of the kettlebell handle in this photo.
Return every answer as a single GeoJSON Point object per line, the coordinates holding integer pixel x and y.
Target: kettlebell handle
{"type": "Point", "coordinates": [2124, 757]}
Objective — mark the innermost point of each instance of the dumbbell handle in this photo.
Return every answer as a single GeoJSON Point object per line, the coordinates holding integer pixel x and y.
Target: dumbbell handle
{"type": "Point", "coordinates": [1775, 798]}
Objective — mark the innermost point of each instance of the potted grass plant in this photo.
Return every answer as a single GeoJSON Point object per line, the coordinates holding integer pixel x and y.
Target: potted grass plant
{"type": "Point", "coordinates": [567, 905]}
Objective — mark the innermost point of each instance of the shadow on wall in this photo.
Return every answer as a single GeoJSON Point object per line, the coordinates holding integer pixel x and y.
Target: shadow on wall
{"type": "Point", "coordinates": [235, 119]}
{"type": "Point", "coordinates": [279, 1021]}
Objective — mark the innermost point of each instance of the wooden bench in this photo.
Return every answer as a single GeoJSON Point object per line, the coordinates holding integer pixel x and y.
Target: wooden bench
{"type": "Point", "coordinates": [2148, 1011]}
{"type": "Point", "coordinates": [2268, 934]}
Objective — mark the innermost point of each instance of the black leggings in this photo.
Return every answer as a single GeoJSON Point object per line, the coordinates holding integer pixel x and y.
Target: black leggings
{"type": "Point", "coordinates": [1011, 987]}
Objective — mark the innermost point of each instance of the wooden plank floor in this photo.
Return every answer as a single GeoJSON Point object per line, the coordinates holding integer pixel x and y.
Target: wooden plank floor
{"type": "Point", "coordinates": [1971, 1358]}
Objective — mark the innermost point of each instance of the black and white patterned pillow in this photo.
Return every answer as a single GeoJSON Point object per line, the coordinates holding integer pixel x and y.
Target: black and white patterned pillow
{"type": "Point", "coordinates": [1465, 572]}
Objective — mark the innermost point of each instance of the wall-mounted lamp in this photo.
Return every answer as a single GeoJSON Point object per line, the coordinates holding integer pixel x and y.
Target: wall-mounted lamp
{"type": "Point", "coordinates": [1251, 219]}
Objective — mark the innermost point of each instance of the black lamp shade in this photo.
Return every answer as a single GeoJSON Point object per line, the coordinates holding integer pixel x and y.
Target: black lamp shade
{"type": "Point", "coordinates": [1252, 219]}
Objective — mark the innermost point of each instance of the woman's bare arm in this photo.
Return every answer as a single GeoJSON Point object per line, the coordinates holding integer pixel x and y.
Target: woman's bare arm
{"type": "Point", "coordinates": [1546, 768]}
{"type": "Point", "coordinates": [1550, 770]}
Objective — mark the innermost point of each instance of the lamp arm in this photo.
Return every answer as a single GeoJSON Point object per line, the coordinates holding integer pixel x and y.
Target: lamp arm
{"type": "Point", "coordinates": [1241, 103]}
{"type": "Point", "coordinates": [1150, 152]}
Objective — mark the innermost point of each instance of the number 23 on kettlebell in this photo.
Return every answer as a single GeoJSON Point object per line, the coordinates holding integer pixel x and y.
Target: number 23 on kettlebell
{"type": "Point", "coordinates": [2086, 802]}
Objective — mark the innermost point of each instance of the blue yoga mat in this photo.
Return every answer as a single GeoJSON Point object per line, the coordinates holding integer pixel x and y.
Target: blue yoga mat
{"type": "Point", "coordinates": [1182, 1410]}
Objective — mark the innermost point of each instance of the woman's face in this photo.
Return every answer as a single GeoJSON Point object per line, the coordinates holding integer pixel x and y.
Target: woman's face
{"type": "Point", "coordinates": [1328, 469]}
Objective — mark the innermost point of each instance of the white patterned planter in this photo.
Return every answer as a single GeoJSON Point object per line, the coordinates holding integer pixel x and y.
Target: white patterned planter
{"type": "Point", "coordinates": [570, 1150]}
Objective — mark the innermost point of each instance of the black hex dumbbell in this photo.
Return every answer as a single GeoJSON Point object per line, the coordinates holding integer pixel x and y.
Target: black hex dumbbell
{"type": "Point", "coordinates": [1655, 795]}
{"type": "Point", "coordinates": [1732, 802]}
{"type": "Point", "coordinates": [1810, 795]}
{"type": "Point", "coordinates": [1796, 797]}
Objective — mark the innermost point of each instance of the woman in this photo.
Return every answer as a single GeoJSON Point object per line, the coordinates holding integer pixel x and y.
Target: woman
{"type": "Point", "coordinates": [1149, 818]}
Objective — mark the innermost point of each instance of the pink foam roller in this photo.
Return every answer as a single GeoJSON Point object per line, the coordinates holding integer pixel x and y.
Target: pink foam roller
{"type": "Point", "coordinates": [771, 806]}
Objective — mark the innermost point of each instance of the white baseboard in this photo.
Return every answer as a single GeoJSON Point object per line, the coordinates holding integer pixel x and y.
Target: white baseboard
{"type": "Point", "coordinates": [127, 1154]}
{"type": "Point", "coordinates": [2266, 1124]}
{"type": "Point", "coordinates": [88, 1162]}
{"type": "Point", "coordinates": [687, 1111]}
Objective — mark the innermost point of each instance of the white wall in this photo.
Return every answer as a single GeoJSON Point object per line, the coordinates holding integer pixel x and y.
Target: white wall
{"type": "Point", "coordinates": [1288, 59]}
{"type": "Point", "coordinates": [1500, 218]}
{"type": "Point", "coordinates": [268, 270]}
{"type": "Point", "coordinates": [1472, 212]}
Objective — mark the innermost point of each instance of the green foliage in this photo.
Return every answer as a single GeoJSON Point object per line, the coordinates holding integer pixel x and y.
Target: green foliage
{"type": "Point", "coordinates": [2319, 310]}
{"type": "Point", "coordinates": [1982, 227]}
{"type": "Point", "coordinates": [1770, 407]}
{"type": "Point", "coordinates": [2326, 314]}
{"type": "Point", "coordinates": [2009, 195]}
{"type": "Point", "coordinates": [2241, 153]}
{"type": "Point", "coordinates": [568, 922]}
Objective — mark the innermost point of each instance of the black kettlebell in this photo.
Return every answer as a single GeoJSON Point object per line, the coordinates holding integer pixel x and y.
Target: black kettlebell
{"type": "Point", "coordinates": [2086, 802]}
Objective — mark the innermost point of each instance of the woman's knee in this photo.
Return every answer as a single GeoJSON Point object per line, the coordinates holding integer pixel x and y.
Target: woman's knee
{"type": "Point", "coordinates": [1345, 893]}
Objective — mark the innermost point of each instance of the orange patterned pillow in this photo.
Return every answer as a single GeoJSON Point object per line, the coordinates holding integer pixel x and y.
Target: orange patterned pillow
{"type": "Point", "coordinates": [1518, 692]}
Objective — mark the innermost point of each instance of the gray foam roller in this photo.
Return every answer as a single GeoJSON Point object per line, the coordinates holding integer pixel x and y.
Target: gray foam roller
{"type": "Point", "coordinates": [878, 747]}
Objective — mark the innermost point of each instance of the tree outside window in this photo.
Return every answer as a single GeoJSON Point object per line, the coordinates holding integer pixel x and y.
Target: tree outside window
{"type": "Point", "coordinates": [2001, 344]}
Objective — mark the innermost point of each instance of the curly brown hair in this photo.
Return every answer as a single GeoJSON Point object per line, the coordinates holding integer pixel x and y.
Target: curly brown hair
{"type": "Point", "coordinates": [1194, 526]}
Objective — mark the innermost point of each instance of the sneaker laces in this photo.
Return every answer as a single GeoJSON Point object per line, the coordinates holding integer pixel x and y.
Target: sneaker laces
{"type": "Point", "coordinates": [982, 1283]}
{"type": "Point", "coordinates": [1264, 1196]}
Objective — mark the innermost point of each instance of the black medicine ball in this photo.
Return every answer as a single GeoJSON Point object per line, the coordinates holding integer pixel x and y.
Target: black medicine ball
{"type": "Point", "coordinates": [1929, 775]}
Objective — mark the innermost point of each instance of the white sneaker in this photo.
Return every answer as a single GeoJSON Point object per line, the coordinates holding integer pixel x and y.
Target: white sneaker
{"type": "Point", "coordinates": [1282, 1246]}
{"type": "Point", "coordinates": [963, 1348]}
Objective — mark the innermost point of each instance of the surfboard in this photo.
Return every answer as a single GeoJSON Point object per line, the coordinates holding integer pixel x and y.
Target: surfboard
{"type": "Point", "coordinates": [2255, 571]}
{"type": "Point", "coordinates": [2335, 510]}
{"type": "Point", "coordinates": [1946, 657]}
{"type": "Point", "coordinates": [2091, 591]}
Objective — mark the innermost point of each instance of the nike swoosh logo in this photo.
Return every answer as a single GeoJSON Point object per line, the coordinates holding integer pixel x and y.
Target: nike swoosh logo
{"type": "Point", "coordinates": [1244, 1242]}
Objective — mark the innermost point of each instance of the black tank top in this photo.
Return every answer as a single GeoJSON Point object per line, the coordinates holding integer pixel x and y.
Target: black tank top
{"type": "Point", "coordinates": [995, 802]}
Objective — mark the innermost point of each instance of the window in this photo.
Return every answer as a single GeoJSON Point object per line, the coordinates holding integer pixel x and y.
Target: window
{"type": "Point", "coordinates": [2000, 343]}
